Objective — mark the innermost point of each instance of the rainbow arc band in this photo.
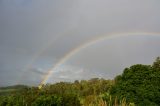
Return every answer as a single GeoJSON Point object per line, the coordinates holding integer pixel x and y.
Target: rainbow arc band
{"type": "Point", "coordinates": [93, 41]}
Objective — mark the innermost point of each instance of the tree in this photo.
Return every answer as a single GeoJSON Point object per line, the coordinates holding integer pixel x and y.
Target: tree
{"type": "Point", "coordinates": [48, 101]}
{"type": "Point", "coordinates": [156, 64]}
{"type": "Point", "coordinates": [139, 84]}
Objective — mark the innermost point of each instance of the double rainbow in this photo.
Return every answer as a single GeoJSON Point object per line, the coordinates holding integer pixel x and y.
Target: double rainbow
{"type": "Point", "coordinates": [85, 45]}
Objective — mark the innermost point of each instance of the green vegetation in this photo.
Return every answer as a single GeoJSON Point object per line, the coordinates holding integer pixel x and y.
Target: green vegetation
{"type": "Point", "coordinates": [11, 89]}
{"type": "Point", "coordinates": [138, 85]}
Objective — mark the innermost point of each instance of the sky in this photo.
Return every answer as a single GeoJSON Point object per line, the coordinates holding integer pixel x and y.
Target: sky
{"type": "Point", "coordinates": [35, 35]}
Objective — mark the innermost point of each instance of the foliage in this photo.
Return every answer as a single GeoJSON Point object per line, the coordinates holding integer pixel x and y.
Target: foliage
{"type": "Point", "coordinates": [48, 101]}
{"type": "Point", "coordinates": [59, 94]}
{"type": "Point", "coordinates": [139, 84]}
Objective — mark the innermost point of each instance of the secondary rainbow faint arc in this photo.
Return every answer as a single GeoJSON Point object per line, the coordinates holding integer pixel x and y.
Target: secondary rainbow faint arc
{"type": "Point", "coordinates": [87, 44]}
{"type": "Point", "coordinates": [42, 51]}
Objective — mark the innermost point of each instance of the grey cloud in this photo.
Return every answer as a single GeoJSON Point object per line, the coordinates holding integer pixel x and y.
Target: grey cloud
{"type": "Point", "coordinates": [41, 32]}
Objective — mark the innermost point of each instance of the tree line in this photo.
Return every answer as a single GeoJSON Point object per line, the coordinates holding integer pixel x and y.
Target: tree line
{"type": "Point", "coordinates": [138, 85]}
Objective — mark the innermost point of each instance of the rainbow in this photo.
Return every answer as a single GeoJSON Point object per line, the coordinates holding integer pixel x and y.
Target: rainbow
{"type": "Point", "coordinates": [87, 44]}
{"type": "Point", "coordinates": [43, 50]}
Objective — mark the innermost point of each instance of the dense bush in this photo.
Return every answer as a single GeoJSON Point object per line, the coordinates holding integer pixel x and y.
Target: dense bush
{"type": "Point", "coordinates": [139, 84]}
{"type": "Point", "coordinates": [48, 101]}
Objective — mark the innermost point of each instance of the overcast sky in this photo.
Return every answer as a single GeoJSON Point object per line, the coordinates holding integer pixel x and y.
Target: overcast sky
{"type": "Point", "coordinates": [36, 34]}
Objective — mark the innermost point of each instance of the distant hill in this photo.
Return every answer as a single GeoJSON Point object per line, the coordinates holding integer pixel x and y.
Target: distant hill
{"type": "Point", "coordinates": [14, 87]}
{"type": "Point", "coordinates": [9, 89]}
